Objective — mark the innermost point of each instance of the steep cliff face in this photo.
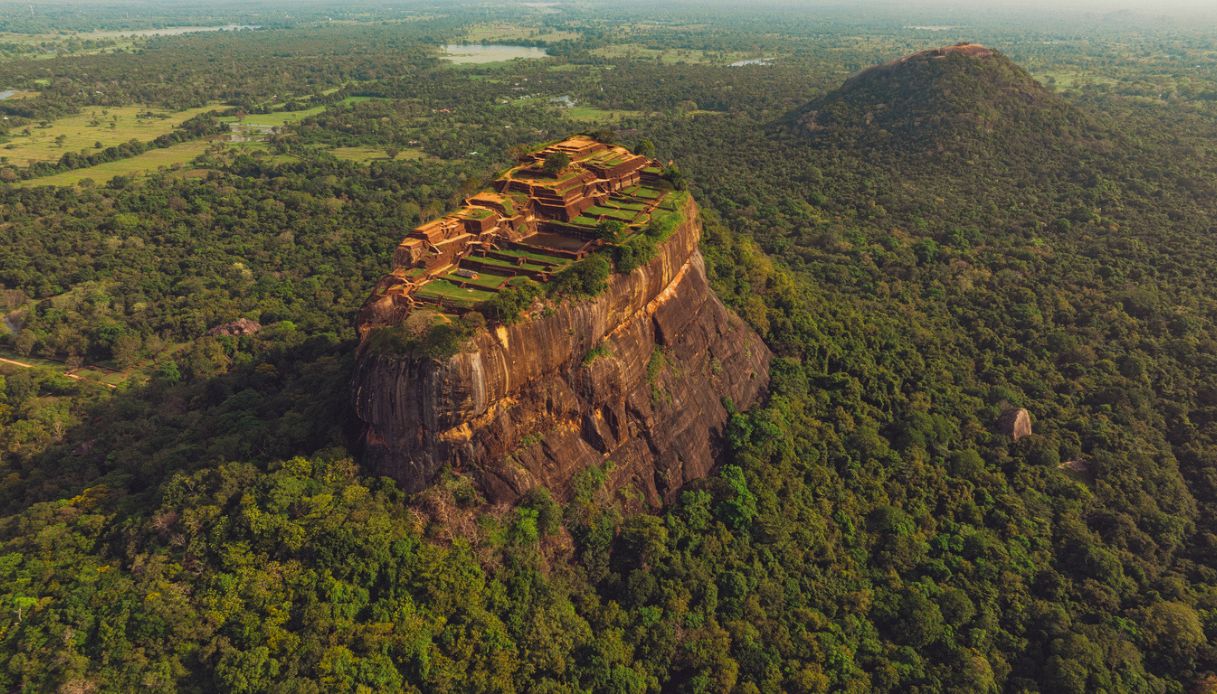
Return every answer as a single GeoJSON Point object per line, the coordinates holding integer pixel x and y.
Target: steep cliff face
{"type": "Point", "coordinates": [637, 376]}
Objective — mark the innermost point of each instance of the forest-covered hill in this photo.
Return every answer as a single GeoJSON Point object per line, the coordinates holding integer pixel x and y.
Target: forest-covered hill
{"type": "Point", "coordinates": [923, 245]}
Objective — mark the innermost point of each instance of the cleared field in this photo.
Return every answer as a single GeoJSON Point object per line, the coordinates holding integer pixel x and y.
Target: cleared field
{"type": "Point", "coordinates": [148, 161]}
{"type": "Point", "coordinates": [1067, 79]}
{"type": "Point", "coordinates": [15, 94]}
{"type": "Point", "coordinates": [79, 43]}
{"type": "Point", "coordinates": [591, 114]}
{"type": "Point", "coordinates": [274, 118]}
{"type": "Point", "coordinates": [360, 99]}
{"type": "Point", "coordinates": [669, 56]}
{"type": "Point", "coordinates": [363, 154]}
{"type": "Point", "coordinates": [83, 131]}
{"type": "Point", "coordinates": [506, 31]}
{"type": "Point", "coordinates": [478, 54]}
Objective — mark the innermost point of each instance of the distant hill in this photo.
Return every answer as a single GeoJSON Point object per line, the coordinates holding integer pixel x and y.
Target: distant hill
{"type": "Point", "coordinates": [965, 98]}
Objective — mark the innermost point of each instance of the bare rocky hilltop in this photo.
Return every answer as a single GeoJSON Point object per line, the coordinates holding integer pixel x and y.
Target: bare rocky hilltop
{"type": "Point", "coordinates": [639, 375]}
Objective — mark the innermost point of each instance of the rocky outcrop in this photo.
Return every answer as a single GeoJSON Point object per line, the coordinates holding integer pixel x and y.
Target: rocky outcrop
{"type": "Point", "coordinates": [236, 328]}
{"type": "Point", "coordinates": [640, 376]}
{"type": "Point", "coordinates": [1015, 423]}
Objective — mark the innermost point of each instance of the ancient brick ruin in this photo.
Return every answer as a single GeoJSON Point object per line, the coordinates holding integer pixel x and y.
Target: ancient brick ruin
{"type": "Point", "coordinates": [532, 223]}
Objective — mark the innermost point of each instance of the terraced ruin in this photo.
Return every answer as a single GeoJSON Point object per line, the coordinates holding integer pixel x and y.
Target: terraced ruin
{"type": "Point", "coordinates": [558, 205]}
{"type": "Point", "coordinates": [468, 361]}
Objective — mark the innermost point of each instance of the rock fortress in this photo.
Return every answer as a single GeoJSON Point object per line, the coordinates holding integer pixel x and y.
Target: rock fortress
{"type": "Point", "coordinates": [637, 379]}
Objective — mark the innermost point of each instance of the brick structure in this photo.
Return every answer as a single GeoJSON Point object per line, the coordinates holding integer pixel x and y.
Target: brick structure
{"type": "Point", "coordinates": [527, 210]}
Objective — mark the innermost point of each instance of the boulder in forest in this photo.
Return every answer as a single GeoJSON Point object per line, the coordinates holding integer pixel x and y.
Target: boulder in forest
{"type": "Point", "coordinates": [1015, 423]}
{"type": "Point", "coordinates": [236, 328]}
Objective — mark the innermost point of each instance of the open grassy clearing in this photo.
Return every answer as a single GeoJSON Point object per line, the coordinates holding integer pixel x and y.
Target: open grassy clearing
{"type": "Point", "coordinates": [481, 54]}
{"type": "Point", "coordinates": [506, 31]}
{"type": "Point", "coordinates": [669, 56]}
{"type": "Point", "coordinates": [151, 160]}
{"type": "Point", "coordinates": [1071, 79]}
{"type": "Point", "coordinates": [106, 375]}
{"type": "Point", "coordinates": [101, 34]}
{"type": "Point", "coordinates": [360, 99]}
{"type": "Point", "coordinates": [259, 150]}
{"type": "Point", "coordinates": [274, 119]}
{"type": "Point", "coordinates": [82, 132]}
{"type": "Point", "coordinates": [582, 114]}
{"type": "Point", "coordinates": [82, 43]}
{"type": "Point", "coordinates": [366, 154]}
{"type": "Point", "coordinates": [46, 46]}
{"type": "Point", "coordinates": [15, 94]}
{"type": "Point", "coordinates": [591, 114]}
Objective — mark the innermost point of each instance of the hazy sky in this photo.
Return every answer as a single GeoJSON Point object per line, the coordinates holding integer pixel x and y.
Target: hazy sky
{"type": "Point", "coordinates": [1149, 7]}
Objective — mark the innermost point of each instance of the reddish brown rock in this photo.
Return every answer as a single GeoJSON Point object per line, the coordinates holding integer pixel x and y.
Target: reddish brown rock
{"type": "Point", "coordinates": [236, 328]}
{"type": "Point", "coordinates": [531, 404]}
{"type": "Point", "coordinates": [1015, 423]}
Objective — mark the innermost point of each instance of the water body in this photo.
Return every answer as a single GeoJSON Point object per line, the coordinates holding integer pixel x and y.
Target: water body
{"type": "Point", "coordinates": [473, 53]}
{"type": "Point", "coordinates": [752, 61]}
{"type": "Point", "coordinates": [7, 93]}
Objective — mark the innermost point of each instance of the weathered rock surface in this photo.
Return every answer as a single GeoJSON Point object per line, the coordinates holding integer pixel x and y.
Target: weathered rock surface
{"type": "Point", "coordinates": [237, 328]}
{"type": "Point", "coordinates": [637, 376]}
{"type": "Point", "coordinates": [1015, 423]}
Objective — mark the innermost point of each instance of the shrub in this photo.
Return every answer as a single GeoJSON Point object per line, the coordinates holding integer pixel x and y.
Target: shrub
{"type": "Point", "coordinates": [634, 253]}
{"type": "Point", "coordinates": [610, 230]}
{"type": "Point", "coordinates": [426, 334]}
{"type": "Point", "coordinates": [555, 164]}
{"type": "Point", "coordinates": [588, 277]}
{"type": "Point", "coordinates": [509, 304]}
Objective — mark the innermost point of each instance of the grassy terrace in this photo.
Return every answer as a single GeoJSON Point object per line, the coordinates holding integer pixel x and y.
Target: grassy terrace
{"type": "Point", "coordinates": [549, 261]}
{"type": "Point", "coordinates": [509, 265]}
{"type": "Point", "coordinates": [475, 213]}
{"type": "Point", "coordinates": [477, 279]}
{"type": "Point", "coordinates": [624, 204]}
{"type": "Point", "coordinates": [445, 290]}
{"type": "Point", "coordinates": [626, 216]}
{"type": "Point", "coordinates": [484, 280]}
{"type": "Point", "coordinates": [607, 159]}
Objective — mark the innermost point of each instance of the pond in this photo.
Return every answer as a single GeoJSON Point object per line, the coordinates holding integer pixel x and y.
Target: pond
{"type": "Point", "coordinates": [473, 53]}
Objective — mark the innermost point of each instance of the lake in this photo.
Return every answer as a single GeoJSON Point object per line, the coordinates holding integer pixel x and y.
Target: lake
{"type": "Point", "coordinates": [472, 53]}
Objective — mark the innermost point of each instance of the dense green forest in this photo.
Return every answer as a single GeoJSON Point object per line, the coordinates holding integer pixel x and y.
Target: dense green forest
{"type": "Point", "coordinates": [923, 247]}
